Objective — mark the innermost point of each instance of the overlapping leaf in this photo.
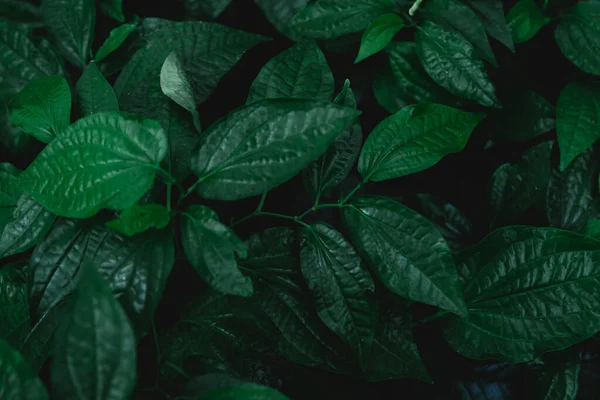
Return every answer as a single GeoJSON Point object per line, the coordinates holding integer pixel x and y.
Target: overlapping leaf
{"type": "Point", "coordinates": [94, 93]}
{"type": "Point", "coordinates": [17, 380]}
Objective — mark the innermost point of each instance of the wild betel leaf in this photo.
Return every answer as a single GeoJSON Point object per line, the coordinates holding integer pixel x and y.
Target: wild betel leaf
{"type": "Point", "coordinates": [405, 251]}
{"type": "Point", "coordinates": [139, 218]}
{"type": "Point", "coordinates": [521, 299]}
{"type": "Point", "coordinates": [243, 391]}
{"type": "Point", "coordinates": [299, 72]}
{"type": "Point", "coordinates": [260, 146]}
{"type": "Point", "coordinates": [414, 139]}
{"type": "Point", "coordinates": [104, 368]}
{"type": "Point", "coordinates": [389, 92]}
{"type": "Point", "coordinates": [14, 307]}
{"type": "Point", "coordinates": [491, 14]}
{"type": "Point", "coordinates": [71, 23]}
{"type": "Point", "coordinates": [9, 194]}
{"type": "Point", "coordinates": [118, 153]}
{"type": "Point", "coordinates": [528, 116]}
{"type": "Point", "coordinates": [114, 40]}
{"type": "Point", "coordinates": [94, 93]}
{"type": "Point", "coordinates": [43, 108]}
{"type": "Point", "coordinates": [381, 31]}
{"type": "Point", "coordinates": [525, 19]}
{"type": "Point", "coordinates": [340, 286]}
{"type": "Point", "coordinates": [450, 61]}
{"type": "Point", "coordinates": [578, 35]}
{"type": "Point", "coordinates": [577, 116]}
{"type": "Point", "coordinates": [113, 8]}
{"type": "Point", "coordinates": [17, 380]}
{"type": "Point", "coordinates": [211, 248]}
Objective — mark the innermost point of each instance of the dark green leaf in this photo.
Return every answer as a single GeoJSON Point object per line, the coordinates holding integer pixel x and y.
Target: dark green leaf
{"type": "Point", "coordinates": [205, 8]}
{"type": "Point", "coordinates": [528, 116]}
{"type": "Point", "coordinates": [450, 60]}
{"type": "Point", "coordinates": [571, 198]}
{"type": "Point", "coordinates": [329, 19]}
{"type": "Point", "coordinates": [513, 188]}
{"type": "Point", "coordinates": [136, 219]}
{"type": "Point", "coordinates": [521, 299]}
{"type": "Point", "coordinates": [577, 116]}
{"type": "Point", "coordinates": [279, 13]}
{"type": "Point", "coordinates": [19, 11]}
{"type": "Point", "coordinates": [94, 93]}
{"type": "Point", "coordinates": [299, 72]}
{"type": "Point", "coordinates": [457, 17]}
{"type": "Point", "coordinates": [247, 391]}
{"type": "Point", "coordinates": [405, 251]}
{"type": "Point", "coordinates": [95, 348]}
{"type": "Point", "coordinates": [491, 14]}
{"type": "Point", "coordinates": [525, 19]}
{"type": "Point", "coordinates": [17, 380]}
{"type": "Point", "coordinates": [389, 92]}
{"type": "Point", "coordinates": [578, 35]}
{"type": "Point", "coordinates": [211, 247]}
{"type": "Point", "coordinates": [381, 31]}
{"type": "Point", "coordinates": [339, 283]}
{"type": "Point", "coordinates": [72, 23]}
{"type": "Point", "coordinates": [333, 167]}
{"type": "Point", "coordinates": [14, 307]}
{"type": "Point", "coordinates": [113, 9]}
{"type": "Point", "coordinates": [558, 381]}
{"type": "Point", "coordinates": [241, 155]}
{"type": "Point", "coordinates": [592, 228]}
{"type": "Point", "coordinates": [43, 108]}
{"type": "Point", "coordinates": [413, 139]}
{"type": "Point", "coordinates": [115, 40]}
{"type": "Point", "coordinates": [9, 194]}
{"type": "Point", "coordinates": [118, 153]}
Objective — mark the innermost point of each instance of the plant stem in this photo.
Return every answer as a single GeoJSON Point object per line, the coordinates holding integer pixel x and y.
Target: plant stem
{"type": "Point", "coordinates": [415, 7]}
{"type": "Point", "coordinates": [169, 188]}
{"type": "Point", "coordinates": [349, 195]}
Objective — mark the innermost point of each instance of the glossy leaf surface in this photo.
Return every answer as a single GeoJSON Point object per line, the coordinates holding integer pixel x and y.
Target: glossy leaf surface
{"type": "Point", "coordinates": [379, 33]}
{"type": "Point", "coordinates": [94, 93]}
{"type": "Point", "coordinates": [525, 19]}
{"type": "Point", "coordinates": [137, 219]}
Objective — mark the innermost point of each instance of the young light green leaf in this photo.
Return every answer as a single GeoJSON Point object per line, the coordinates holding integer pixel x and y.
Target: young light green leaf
{"type": "Point", "coordinates": [577, 116]}
{"type": "Point", "coordinates": [339, 283]}
{"type": "Point", "coordinates": [115, 39]}
{"type": "Point", "coordinates": [279, 13]}
{"type": "Point", "coordinates": [515, 188]}
{"type": "Point", "coordinates": [491, 14]}
{"type": "Point", "coordinates": [250, 391]}
{"type": "Point", "coordinates": [175, 85]}
{"type": "Point", "coordinates": [14, 306]}
{"type": "Point", "coordinates": [260, 146]}
{"type": "Point", "coordinates": [299, 72]}
{"type": "Point", "coordinates": [211, 248]}
{"type": "Point", "coordinates": [559, 381]}
{"type": "Point", "coordinates": [113, 9]}
{"type": "Point", "coordinates": [137, 219]}
{"type": "Point", "coordinates": [71, 23]}
{"type": "Point", "coordinates": [43, 108]}
{"type": "Point", "coordinates": [329, 19]}
{"type": "Point", "coordinates": [94, 93]}
{"type": "Point", "coordinates": [450, 61]}
{"type": "Point", "coordinates": [510, 278]}
{"type": "Point", "coordinates": [455, 16]}
{"type": "Point", "coordinates": [528, 116]}
{"type": "Point", "coordinates": [104, 368]}
{"type": "Point", "coordinates": [405, 251]}
{"type": "Point", "coordinates": [381, 31]}
{"type": "Point", "coordinates": [118, 153]}
{"type": "Point", "coordinates": [17, 380]}
{"type": "Point", "coordinates": [577, 35]}
{"type": "Point", "coordinates": [414, 139]}
{"type": "Point", "coordinates": [525, 19]}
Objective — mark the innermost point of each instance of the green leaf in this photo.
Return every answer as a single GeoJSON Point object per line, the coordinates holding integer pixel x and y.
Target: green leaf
{"type": "Point", "coordinates": [203, 9]}
{"type": "Point", "coordinates": [558, 382]}
{"type": "Point", "coordinates": [175, 85]}
{"type": "Point", "coordinates": [43, 108]}
{"type": "Point", "coordinates": [333, 167]}
{"type": "Point", "coordinates": [592, 228]}
{"type": "Point", "coordinates": [249, 391]}
{"type": "Point", "coordinates": [525, 19]}
{"type": "Point", "coordinates": [389, 92]}
{"type": "Point", "coordinates": [113, 9]}
{"type": "Point", "coordinates": [71, 23]}
{"type": "Point", "coordinates": [413, 139]}
{"type": "Point", "coordinates": [95, 348]}
{"type": "Point", "coordinates": [577, 35]}
{"type": "Point", "coordinates": [301, 72]}
{"type": "Point", "coordinates": [280, 13]}
{"type": "Point", "coordinates": [94, 93]}
{"type": "Point", "coordinates": [577, 116]}
{"type": "Point", "coordinates": [339, 283]}
{"type": "Point", "coordinates": [405, 251]}
{"type": "Point", "coordinates": [9, 195]}
{"type": "Point", "coordinates": [381, 31]}
{"type": "Point", "coordinates": [411, 80]}
{"type": "Point", "coordinates": [19, 11]}
{"type": "Point", "coordinates": [491, 14]}
{"type": "Point", "coordinates": [14, 306]}
{"type": "Point", "coordinates": [329, 19]}
{"type": "Point", "coordinates": [521, 299]}
{"type": "Point", "coordinates": [27, 226]}
{"type": "Point", "coordinates": [450, 61]}
{"type": "Point", "coordinates": [241, 155]}
{"type": "Point", "coordinates": [117, 153]}
{"type": "Point", "coordinates": [137, 219]}
{"type": "Point", "coordinates": [457, 17]}
{"type": "Point", "coordinates": [515, 188]}
{"type": "Point", "coordinates": [17, 380]}
{"type": "Point", "coordinates": [211, 247]}
{"type": "Point", "coordinates": [571, 198]}
{"type": "Point", "coordinates": [115, 39]}
{"type": "Point", "coordinates": [528, 116]}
